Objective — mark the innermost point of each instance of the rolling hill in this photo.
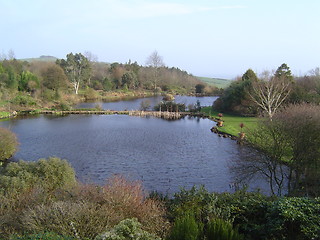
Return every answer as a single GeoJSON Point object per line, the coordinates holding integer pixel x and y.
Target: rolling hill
{"type": "Point", "coordinates": [217, 82]}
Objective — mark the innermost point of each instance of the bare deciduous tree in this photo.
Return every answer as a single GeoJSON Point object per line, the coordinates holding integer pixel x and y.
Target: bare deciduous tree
{"type": "Point", "coordinates": [156, 62]}
{"type": "Point", "coordinates": [270, 94]}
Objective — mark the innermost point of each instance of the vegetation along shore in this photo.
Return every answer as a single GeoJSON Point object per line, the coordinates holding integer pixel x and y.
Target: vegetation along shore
{"type": "Point", "coordinates": [276, 114]}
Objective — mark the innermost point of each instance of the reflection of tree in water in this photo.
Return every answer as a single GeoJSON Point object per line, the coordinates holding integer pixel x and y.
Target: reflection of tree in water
{"type": "Point", "coordinates": [255, 166]}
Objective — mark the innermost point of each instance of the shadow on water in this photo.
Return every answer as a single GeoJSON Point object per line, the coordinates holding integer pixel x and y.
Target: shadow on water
{"type": "Point", "coordinates": [164, 155]}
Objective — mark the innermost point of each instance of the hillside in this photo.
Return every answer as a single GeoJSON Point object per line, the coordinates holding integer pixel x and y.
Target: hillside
{"type": "Point", "coordinates": [41, 59]}
{"type": "Point", "coordinates": [217, 82]}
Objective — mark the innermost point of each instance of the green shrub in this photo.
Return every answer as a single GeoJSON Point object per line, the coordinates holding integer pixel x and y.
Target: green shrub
{"type": "Point", "coordinates": [198, 201]}
{"type": "Point", "coordinates": [8, 144]}
{"type": "Point", "coordinates": [222, 230]}
{"type": "Point", "coordinates": [170, 106]}
{"type": "Point", "coordinates": [64, 106]}
{"type": "Point", "coordinates": [24, 100]}
{"type": "Point", "coordinates": [128, 229]}
{"type": "Point", "coordinates": [49, 174]}
{"type": "Point", "coordinates": [248, 210]}
{"type": "Point", "coordinates": [185, 228]}
{"type": "Point", "coordinates": [42, 236]}
{"type": "Point", "coordinates": [295, 218]}
{"type": "Point", "coordinates": [91, 94]}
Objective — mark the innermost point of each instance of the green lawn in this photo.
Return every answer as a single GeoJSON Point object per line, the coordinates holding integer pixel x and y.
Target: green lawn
{"type": "Point", "coordinates": [217, 82]}
{"type": "Point", "coordinates": [232, 123]}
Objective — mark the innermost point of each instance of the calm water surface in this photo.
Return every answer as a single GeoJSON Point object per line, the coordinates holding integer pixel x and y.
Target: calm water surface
{"type": "Point", "coordinates": [135, 104]}
{"type": "Point", "coordinates": [164, 155]}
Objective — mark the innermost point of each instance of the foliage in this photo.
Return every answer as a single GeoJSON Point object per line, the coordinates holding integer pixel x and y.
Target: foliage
{"type": "Point", "coordinates": [246, 210]}
{"type": "Point", "coordinates": [54, 78]}
{"type": "Point", "coordinates": [200, 88]}
{"type": "Point", "coordinates": [42, 236]}
{"type": "Point", "coordinates": [306, 89]}
{"type": "Point", "coordinates": [81, 219]}
{"type": "Point", "coordinates": [128, 229]}
{"type": "Point", "coordinates": [77, 69]}
{"type": "Point", "coordinates": [255, 215]}
{"type": "Point", "coordinates": [145, 105]}
{"type": "Point", "coordinates": [8, 144]}
{"type": "Point", "coordinates": [4, 114]}
{"type": "Point", "coordinates": [170, 106]}
{"type": "Point", "coordinates": [24, 100]}
{"type": "Point", "coordinates": [301, 127]}
{"type": "Point", "coordinates": [235, 98]}
{"type": "Point", "coordinates": [82, 212]}
{"type": "Point", "coordinates": [222, 230]}
{"type": "Point", "coordinates": [28, 82]}
{"type": "Point", "coordinates": [130, 80]}
{"type": "Point", "coordinates": [49, 174]}
{"type": "Point", "coordinates": [91, 94]}
{"type": "Point", "coordinates": [284, 72]}
{"type": "Point", "coordinates": [249, 75]}
{"type": "Point", "coordinates": [295, 218]}
{"type": "Point", "coordinates": [185, 228]}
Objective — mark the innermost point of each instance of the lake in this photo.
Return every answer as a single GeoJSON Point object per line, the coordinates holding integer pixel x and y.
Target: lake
{"type": "Point", "coordinates": [135, 104]}
{"type": "Point", "coordinates": [164, 155]}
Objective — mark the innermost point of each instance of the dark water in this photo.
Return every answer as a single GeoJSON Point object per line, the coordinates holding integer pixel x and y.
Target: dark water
{"type": "Point", "coordinates": [164, 155]}
{"type": "Point", "coordinates": [135, 104]}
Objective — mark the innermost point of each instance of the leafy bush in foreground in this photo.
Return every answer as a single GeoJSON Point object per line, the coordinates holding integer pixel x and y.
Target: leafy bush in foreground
{"type": "Point", "coordinates": [185, 228]}
{"type": "Point", "coordinates": [42, 236]}
{"type": "Point", "coordinates": [295, 218]}
{"type": "Point", "coordinates": [49, 174]}
{"type": "Point", "coordinates": [222, 230]}
{"type": "Point", "coordinates": [128, 229]}
{"type": "Point", "coordinates": [8, 144]}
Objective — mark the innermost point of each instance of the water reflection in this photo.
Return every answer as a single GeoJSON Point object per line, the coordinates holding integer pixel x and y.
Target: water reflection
{"type": "Point", "coordinates": [135, 104]}
{"type": "Point", "coordinates": [165, 155]}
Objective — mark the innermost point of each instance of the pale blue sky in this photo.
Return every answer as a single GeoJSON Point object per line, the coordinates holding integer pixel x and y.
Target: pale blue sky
{"type": "Point", "coordinates": [213, 38]}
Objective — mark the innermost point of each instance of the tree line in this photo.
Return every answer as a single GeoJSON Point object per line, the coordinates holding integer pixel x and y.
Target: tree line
{"type": "Point", "coordinates": [287, 137]}
{"type": "Point", "coordinates": [264, 95]}
{"type": "Point", "coordinates": [80, 73]}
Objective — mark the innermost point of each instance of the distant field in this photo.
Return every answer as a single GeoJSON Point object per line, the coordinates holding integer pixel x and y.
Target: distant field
{"type": "Point", "coordinates": [217, 82]}
{"type": "Point", "coordinates": [40, 59]}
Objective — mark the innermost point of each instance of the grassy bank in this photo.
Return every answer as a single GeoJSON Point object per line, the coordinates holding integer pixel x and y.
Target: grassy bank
{"type": "Point", "coordinates": [4, 114]}
{"type": "Point", "coordinates": [232, 123]}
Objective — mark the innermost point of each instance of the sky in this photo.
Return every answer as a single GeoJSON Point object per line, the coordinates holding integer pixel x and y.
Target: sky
{"type": "Point", "coordinates": [209, 38]}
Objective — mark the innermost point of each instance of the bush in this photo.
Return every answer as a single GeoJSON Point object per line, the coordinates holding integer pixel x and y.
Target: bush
{"type": "Point", "coordinates": [91, 94]}
{"type": "Point", "coordinates": [81, 219]}
{"type": "Point", "coordinates": [222, 230]}
{"type": "Point", "coordinates": [295, 218]}
{"type": "Point", "coordinates": [170, 106]}
{"type": "Point", "coordinates": [42, 236]}
{"type": "Point", "coordinates": [185, 228]}
{"type": "Point", "coordinates": [92, 208]}
{"type": "Point", "coordinates": [49, 174]}
{"type": "Point", "coordinates": [128, 229]}
{"type": "Point", "coordinates": [200, 202]}
{"type": "Point", "coordinates": [8, 144]}
{"type": "Point", "coordinates": [24, 100]}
